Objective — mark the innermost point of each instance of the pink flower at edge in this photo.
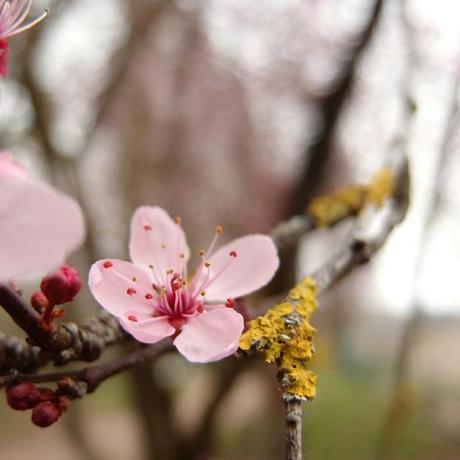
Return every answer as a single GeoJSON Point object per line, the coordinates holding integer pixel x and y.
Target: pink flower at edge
{"type": "Point", "coordinates": [39, 226]}
{"type": "Point", "coordinates": [12, 16]}
{"type": "Point", "coordinates": [153, 299]}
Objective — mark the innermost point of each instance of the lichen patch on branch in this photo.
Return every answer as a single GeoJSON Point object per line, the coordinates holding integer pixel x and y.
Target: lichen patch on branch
{"type": "Point", "coordinates": [285, 335]}
{"type": "Point", "coordinates": [381, 186]}
{"type": "Point", "coordinates": [330, 209]}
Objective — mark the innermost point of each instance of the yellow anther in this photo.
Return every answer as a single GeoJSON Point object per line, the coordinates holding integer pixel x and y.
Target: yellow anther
{"type": "Point", "coordinates": [203, 293]}
{"type": "Point", "coordinates": [219, 229]}
{"type": "Point", "coordinates": [163, 246]}
{"type": "Point", "coordinates": [207, 264]}
{"type": "Point", "coordinates": [170, 271]}
{"type": "Point", "coordinates": [134, 279]}
{"type": "Point", "coordinates": [178, 220]}
{"type": "Point", "coordinates": [202, 252]}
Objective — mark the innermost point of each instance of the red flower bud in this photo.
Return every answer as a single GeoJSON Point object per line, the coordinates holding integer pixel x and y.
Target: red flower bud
{"type": "Point", "coordinates": [62, 285]}
{"type": "Point", "coordinates": [39, 301]}
{"type": "Point", "coordinates": [46, 394]}
{"type": "Point", "coordinates": [23, 396]}
{"type": "Point", "coordinates": [4, 54]}
{"type": "Point", "coordinates": [63, 403]}
{"type": "Point", "coordinates": [45, 414]}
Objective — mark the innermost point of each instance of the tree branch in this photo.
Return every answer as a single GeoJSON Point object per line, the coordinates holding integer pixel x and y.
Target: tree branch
{"type": "Point", "coordinates": [293, 427]}
{"type": "Point", "coordinates": [370, 233]}
{"type": "Point", "coordinates": [93, 376]}
{"type": "Point", "coordinates": [65, 342]}
{"type": "Point", "coordinates": [15, 353]}
{"type": "Point", "coordinates": [331, 108]}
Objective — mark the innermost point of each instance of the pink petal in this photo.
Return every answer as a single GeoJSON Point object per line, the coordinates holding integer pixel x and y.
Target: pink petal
{"type": "Point", "coordinates": [159, 241]}
{"type": "Point", "coordinates": [149, 331]}
{"type": "Point", "coordinates": [211, 336]}
{"type": "Point", "coordinates": [39, 227]}
{"type": "Point", "coordinates": [8, 167]}
{"type": "Point", "coordinates": [255, 264]}
{"type": "Point", "coordinates": [120, 287]}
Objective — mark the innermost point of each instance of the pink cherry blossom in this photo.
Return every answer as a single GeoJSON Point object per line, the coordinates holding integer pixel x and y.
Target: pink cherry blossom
{"type": "Point", "coordinates": [153, 297]}
{"type": "Point", "coordinates": [39, 226]}
{"type": "Point", "coordinates": [12, 16]}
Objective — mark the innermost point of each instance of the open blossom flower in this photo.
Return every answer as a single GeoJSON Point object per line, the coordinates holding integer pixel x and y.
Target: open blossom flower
{"type": "Point", "coordinates": [12, 16]}
{"type": "Point", "coordinates": [153, 298]}
{"type": "Point", "coordinates": [39, 226]}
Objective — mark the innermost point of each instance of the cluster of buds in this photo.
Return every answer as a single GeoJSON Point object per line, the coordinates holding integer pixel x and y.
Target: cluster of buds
{"type": "Point", "coordinates": [46, 405]}
{"type": "Point", "coordinates": [56, 288]}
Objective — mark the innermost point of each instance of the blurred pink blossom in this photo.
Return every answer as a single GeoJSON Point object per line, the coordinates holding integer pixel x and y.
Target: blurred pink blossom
{"type": "Point", "coordinates": [39, 226]}
{"type": "Point", "coordinates": [12, 16]}
{"type": "Point", "coordinates": [153, 298]}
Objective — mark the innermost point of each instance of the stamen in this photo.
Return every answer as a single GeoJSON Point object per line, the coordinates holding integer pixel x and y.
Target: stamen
{"type": "Point", "coordinates": [134, 279]}
{"type": "Point", "coordinates": [203, 293]}
{"type": "Point", "coordinates": [205, 263]}
{"type": "Point", "coordinates": [232, 254]}
{"type": "Point", "coordinates": [14, 30]}
{"type": "Point", "coordinates": [178, 220]}
{"type": "Point", "coordinates": [148, 296]}
{"type": "Point", "coordinates": [201, 252]}
{"type": "Point", "coordinates": [107, 264]}
{"type": "Point", "coordinates": [176, 282]}
{"type": "Point", "coordinates": [165, 304]}
{"type": "Point", "coordinates": [131, 291]}
{"type": "Point", "coordinates": [133, 318]}
{"type": "Point", "coordinates": [155, 274]}
{"type": "Point", "coordinates": [230, 303]}
{"type": "Point", "coordinates": [163, 246]}
{"type": "Point", "coordinates": [148, 228]}
{"type": "Point", "coordinates": [200, 308]}
{"type": "Point", "coordinates": [211, 279]}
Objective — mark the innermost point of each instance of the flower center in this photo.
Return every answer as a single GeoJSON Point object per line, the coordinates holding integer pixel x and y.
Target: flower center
{"type": "Point", "coordinates": [174, 300]}
{"type": "Point", "coordinates": [173, 296]}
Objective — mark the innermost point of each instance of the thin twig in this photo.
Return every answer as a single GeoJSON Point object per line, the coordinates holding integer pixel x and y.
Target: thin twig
{"type": "Point", "coordinates": [293, 429]}
{"type": "Point", "coordinates": [64, 342]}
{"type": "Point", "coordinates": [290, 231]}
{"type": "Point", "coordinates": [93, 376]}
{"type": "Point", "coordinates": [370, 233]}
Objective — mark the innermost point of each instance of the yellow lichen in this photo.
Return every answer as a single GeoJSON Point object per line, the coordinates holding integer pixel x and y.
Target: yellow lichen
{"type": "Point", "coordinates": [285, 335]}
{"type": "Point", "coordinates": [381, 186]}
{"type": "Point", "coordinates": [330, 209]}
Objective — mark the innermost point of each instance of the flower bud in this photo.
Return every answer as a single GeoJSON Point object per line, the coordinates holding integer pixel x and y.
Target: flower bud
{"type": "Point", "coordinates": [62, 285]}
{"type": "Point", "coordinates": [46, 394]}
{"type": "Point", "coordinates": [39, 301]}
{"type": "Point", "coordinates": [45, 414]}
{"type": "Point", "coordinates": [23, 396]}
{"type": "Point", "coordinates": [63, 403]}
{"type": "Point", "coordinates": [4, 54]}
